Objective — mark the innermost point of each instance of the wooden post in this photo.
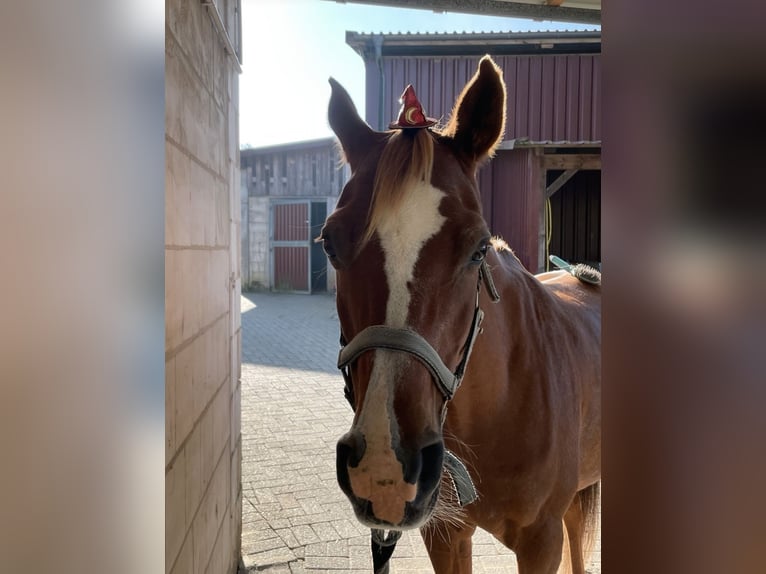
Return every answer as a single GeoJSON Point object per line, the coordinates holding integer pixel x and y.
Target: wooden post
{"type": "Point", "coordinates": [542, 177]}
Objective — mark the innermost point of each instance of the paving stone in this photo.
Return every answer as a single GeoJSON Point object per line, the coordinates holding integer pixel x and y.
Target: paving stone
{"type": "Point", "coordinates": [287, 501]}
{"type": "Point", "coordinates": [305, 534]}
{"type": "Point", "coordinates": [259, 544]}
{"type": "Point", "coordinates": [301, 519]}
{"type": "Point", "coordinates": [420, 564]}
{"type": "Point", "coordinates": [347, 529]}
{"type": "Point", "coordinates": [484, 550]}
{"type": "Point", "coordinates": [274, 557]}
{"type": "Point", "coordinates": [337, 548]}
{"type": "Point", "coordinates": [326, 563]}
{"type": "Point", "coordinates": [324, 531]}
{"type": "Point", "coordinates": [361, 563]}
{"type": "Point", "coordinates": [287, 536]}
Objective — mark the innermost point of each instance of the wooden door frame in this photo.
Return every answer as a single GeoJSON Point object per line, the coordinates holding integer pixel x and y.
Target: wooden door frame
{"type": "Point", "coordinates": [571, 164]}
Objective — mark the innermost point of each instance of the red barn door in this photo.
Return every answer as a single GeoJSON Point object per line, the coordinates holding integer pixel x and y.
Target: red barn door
{"type": "Point", "coordinates": [290, 246]}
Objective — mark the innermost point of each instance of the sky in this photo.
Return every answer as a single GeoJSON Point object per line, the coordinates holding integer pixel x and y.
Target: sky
{"type": "Point", "coordinates": [291, 47]}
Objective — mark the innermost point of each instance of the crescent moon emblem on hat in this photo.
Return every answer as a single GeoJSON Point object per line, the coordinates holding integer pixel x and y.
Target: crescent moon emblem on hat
{"type": "Point", "coordinates": [408, 114]}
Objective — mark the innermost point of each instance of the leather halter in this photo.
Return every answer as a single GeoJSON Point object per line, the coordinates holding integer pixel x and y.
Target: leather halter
{"type": "Point", "coordinates": [408, 341]}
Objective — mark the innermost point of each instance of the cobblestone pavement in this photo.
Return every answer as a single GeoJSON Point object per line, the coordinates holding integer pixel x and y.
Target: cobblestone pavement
{"type": "Point", "coordinates": [295, 519]}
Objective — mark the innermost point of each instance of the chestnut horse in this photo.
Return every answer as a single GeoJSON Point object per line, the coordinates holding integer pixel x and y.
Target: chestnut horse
{"type": "Point", "coordinates": [416, 270]}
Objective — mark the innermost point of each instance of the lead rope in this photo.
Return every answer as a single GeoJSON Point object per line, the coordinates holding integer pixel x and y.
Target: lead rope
{"type": "Point", "coordinates": [382, 548]}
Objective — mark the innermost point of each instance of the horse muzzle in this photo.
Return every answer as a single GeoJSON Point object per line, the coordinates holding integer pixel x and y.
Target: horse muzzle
{"type": "Point", "coordinates": [396, 489]}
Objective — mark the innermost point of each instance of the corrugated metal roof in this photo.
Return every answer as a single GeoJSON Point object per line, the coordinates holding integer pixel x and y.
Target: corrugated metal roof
{"type": "Point", "coordinates": [526, 142]}
{"type": "Point", "coordinates": [287, 146]}
{"type": "Point", "coordinates": [505, 33]}
{"type": "Point", "coordinates": [471, 43]}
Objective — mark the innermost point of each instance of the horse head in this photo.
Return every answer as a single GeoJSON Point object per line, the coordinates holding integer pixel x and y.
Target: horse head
{"type": "Point", "coordinates": [408, 240]}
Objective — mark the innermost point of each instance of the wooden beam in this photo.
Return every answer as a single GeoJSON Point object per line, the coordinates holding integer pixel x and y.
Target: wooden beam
{"type": "Point", "coordinates": [572, 161]}
{"type": "Point", "coordinates": [560, 180]}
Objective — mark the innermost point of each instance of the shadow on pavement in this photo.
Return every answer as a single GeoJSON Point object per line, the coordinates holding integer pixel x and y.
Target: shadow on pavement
{"type": "Point", "coordinates": [288, 330]}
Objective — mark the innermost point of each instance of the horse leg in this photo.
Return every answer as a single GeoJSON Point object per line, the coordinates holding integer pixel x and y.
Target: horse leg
{"type": "Point", "coordinates": [539, 547]}
{"type": "Point", "coordinates": [581, 521]}
{"type": "Point", "coordinates": [574, 520]}
{"type": "Point", "coordinates": [449, 547]}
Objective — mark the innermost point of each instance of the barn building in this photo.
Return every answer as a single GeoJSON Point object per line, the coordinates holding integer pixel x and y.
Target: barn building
{"type": "Point", "coordinates": [287, 192]}
{"type": "Point", "coordinates": [542, 191]}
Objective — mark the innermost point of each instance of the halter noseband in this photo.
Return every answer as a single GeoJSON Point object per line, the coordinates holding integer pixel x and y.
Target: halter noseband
{"type": "Point", "coordinates": [408, 341]}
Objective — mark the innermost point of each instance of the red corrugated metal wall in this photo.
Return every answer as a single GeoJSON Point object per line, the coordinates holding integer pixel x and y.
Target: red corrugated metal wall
{"type": "Point", "coordinates": [509, 187]}
{"type": "Point", "coordinates": [552, 98]}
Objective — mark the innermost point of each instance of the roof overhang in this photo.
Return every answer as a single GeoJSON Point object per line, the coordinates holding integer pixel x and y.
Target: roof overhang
{"type": "Point", "coordinates": [521, 143]}
{"type": "Point", "coordinates": [581, 11]}
{"type": "Point", "coordinates": [290, 146]}
{"type": "Point", "coordinates": [474, 43]}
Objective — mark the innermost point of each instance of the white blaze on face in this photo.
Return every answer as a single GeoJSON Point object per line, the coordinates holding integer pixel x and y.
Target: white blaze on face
{"type": "Point", "coordinates": [402, 238]}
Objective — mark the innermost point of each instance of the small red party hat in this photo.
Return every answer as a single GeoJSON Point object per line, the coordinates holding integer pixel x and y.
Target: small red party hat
{"type": "Point", "coordinates": [411, 114]}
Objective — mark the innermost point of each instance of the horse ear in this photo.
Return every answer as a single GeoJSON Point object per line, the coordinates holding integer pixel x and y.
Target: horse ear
{"type": "Point", "coordinates": [478, 119]}
{"type": "Point", "coordinates": [353, 133]}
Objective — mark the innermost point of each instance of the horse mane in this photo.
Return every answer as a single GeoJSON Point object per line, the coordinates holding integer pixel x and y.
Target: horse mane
{"type": "Point", "coordinates": [407, 160]}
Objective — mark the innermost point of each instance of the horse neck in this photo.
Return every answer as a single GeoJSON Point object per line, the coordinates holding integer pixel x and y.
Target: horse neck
{"type": "Point", "coordinates": [520, 315]}
{"type": "Point", "coordinates": [504, 370]}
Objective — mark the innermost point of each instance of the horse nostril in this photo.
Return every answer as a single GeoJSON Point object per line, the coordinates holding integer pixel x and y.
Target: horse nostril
{"type": "Point", "coordinates": [350, 449]}
{"type": "Point", "coordinates": [431, 461]}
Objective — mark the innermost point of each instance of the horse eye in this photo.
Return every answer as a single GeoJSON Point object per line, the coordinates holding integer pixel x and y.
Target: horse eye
{"type": "Point", "coordinates": [479, 255]}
